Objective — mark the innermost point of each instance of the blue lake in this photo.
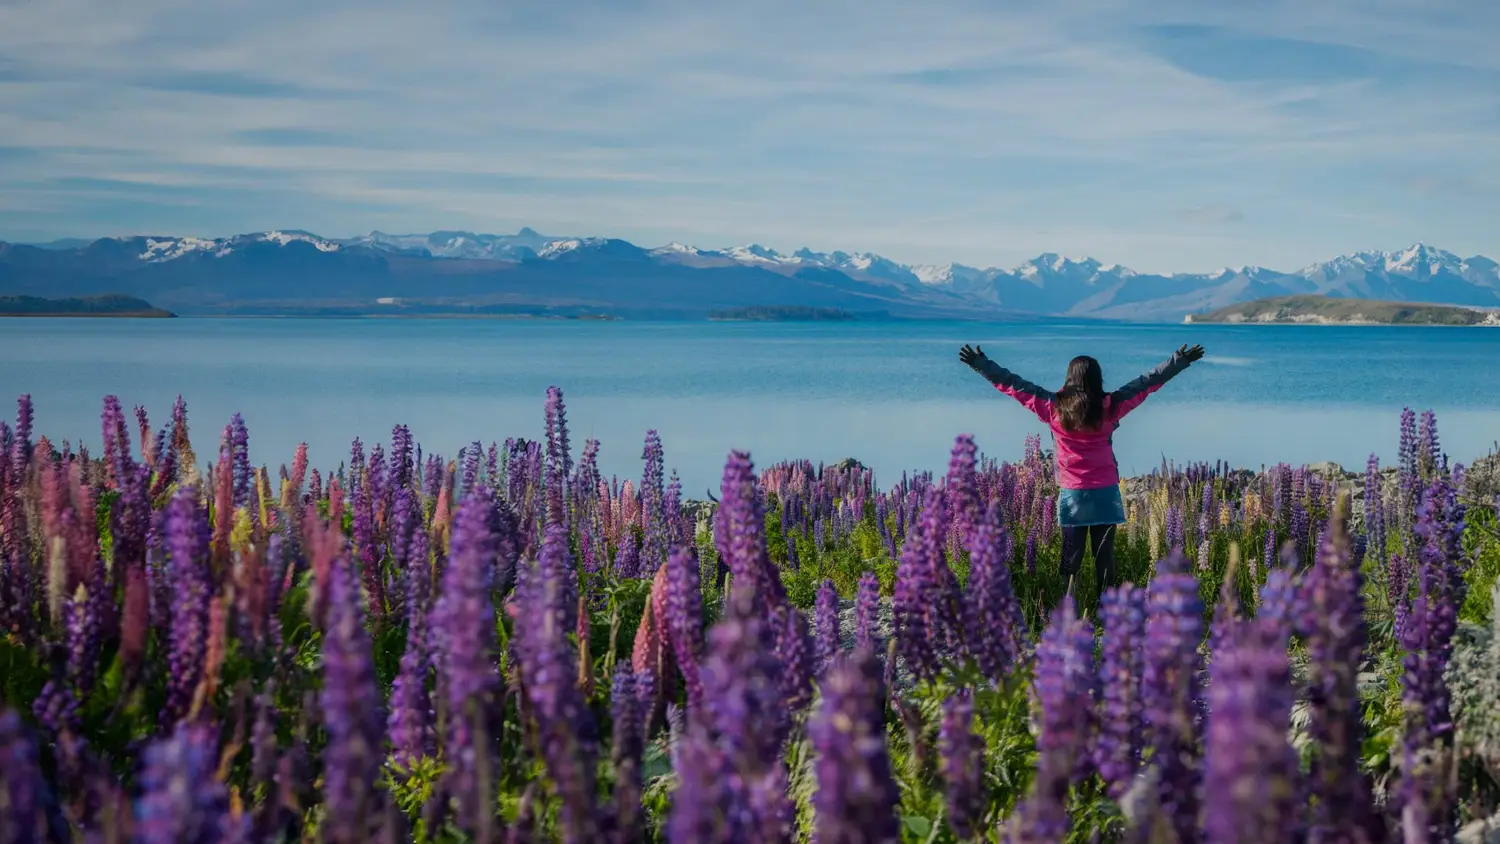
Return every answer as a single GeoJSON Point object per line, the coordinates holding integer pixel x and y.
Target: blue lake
{"type": "Point", "coordinates": [893, 395]}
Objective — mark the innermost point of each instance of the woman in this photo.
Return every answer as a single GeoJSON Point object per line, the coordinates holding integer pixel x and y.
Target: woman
{"type": "Point", "coordinates": [1083, 419]}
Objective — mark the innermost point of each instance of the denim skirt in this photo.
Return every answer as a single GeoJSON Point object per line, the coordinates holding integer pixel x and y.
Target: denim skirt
{"type": "Point", "coordinates": [1086, 507]}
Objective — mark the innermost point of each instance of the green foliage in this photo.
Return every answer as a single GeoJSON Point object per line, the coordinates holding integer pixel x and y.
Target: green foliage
{"type": "Point", "coordinates": [1482, 542]}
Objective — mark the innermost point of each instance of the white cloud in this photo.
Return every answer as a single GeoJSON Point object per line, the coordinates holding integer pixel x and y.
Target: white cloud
{"type": "Point", "coordinates": [941, 131]}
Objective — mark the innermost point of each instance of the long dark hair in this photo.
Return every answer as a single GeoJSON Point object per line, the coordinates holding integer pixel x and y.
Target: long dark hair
{"type": "Point", "coordinates": [1080, 403]}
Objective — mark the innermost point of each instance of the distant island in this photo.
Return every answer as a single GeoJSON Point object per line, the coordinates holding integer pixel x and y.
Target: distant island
{"type": "Point", "coordinates": [789, 313]}
{"type": "Point", "coordinates": [1328, 310]}
{"type": "Point", "coordinates": [87, 306]}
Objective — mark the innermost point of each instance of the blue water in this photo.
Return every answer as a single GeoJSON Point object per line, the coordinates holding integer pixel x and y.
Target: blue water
{"type": "Point", "coordinates": [893, 395]}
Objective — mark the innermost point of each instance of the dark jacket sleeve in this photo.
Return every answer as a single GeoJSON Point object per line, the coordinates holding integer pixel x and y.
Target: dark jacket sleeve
{"type": "Point", "coordinates": [1031, 397]}
{"type": "Point", "coordinates": [1130, 396]}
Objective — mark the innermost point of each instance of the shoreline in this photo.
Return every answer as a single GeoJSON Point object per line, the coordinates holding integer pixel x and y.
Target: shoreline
{"type": "Point", "coordinates": [86, 315]}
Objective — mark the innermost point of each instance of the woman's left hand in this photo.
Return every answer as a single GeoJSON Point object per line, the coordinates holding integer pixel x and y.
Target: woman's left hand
{"type": "Point", "coordinates": [1192, 355]}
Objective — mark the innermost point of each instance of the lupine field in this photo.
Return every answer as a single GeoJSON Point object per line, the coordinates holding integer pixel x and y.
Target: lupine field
{"type": "Point", "coordinates": [507, 647]}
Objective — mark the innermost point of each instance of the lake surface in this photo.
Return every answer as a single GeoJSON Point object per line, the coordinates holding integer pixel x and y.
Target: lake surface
{"type": "Point", "coordinates": [893, 395]}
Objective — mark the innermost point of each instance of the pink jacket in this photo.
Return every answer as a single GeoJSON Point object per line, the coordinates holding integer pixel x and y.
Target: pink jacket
{"type": "Point", "coordinates": [1085, 459]}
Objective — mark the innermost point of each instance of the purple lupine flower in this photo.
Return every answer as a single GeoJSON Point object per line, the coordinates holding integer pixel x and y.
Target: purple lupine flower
{"type": "Point", "coordinates": [1374, 510]}
{"type": "Point", "coordinates": [678, 530]}
{"type": "Point", "coordinates": [1409, 479]}
{"type": "Point", "coordinates": [628, 557]}
{"type": "Point", "coordinates": [187, 535]}
{"type": "Point", "coordinates": [740, 534]}
{"type": "Point", "coordinates": [630, 710]}
{"type": "Point", "coordinates": [21, 446]}
{"type": "Point", "coordinates": [1278, 603]}
{"type": "Point", "coordinates": [1398, 587]}
{"type": "Point", "coordinates": [559, 457]}
{"type": "Point", "coordinates": [1066, 688]}
{"type": "Point", "coordinates": [406, 529]}
{"type": "Point", "coordinates": [411, 722]}
{"type": "Point", "coordinates": [1431, 623]}
{"type": "Point", "coordinates": [1176, 537]}
{"type": "Point", "coordinates": [857, 795]}
{"type": "Point", "coordinates": [1270, 547]}
{"type": "Point", "coordinates": [747, 715]}
{"type": "Point", "coordinates": [402, 466]}
{"type": "Point", "coordinates": [826, 626]}
{"type": "Point", "coordinates": [795, 650]}
{"type": "Point", "coordinates": [549, 670]}
{"type": "Point", "coordinates": [81, 620]}
{"type": "Point", "coordinates": [29, 811]}
{"type": "Point", "coordinates": [1031, 553]}
{"type": "Point", "coordinates": [1169, 688]}
{"type": "Point", "coordinates": [653, 508]}
{"type": "Point", "coordinates": [916, 637]}
{"type": "Point", "coordinates": [993, 620]}
{"type": "Point", "coordinates": [1121, 727]}
{"type": "Point", "coordinates": [961, 762]}
{"type": "Point", "coordinates": [685, 618]}
{"type": "Point", "coordinates": [1429, 454]}
{"type": "Point", "coordinates": [349, 704]}
{"type": "Point", "coordinates": [116, 439]}
{"type": "Point", "coordinates": [366, 547]}
{"type": "Point", "coordinates": [469, 458]}
{"type": "Point", "coordinates": [464, 618]}
{"type": "Point", "coordinates": [1249, 767]}
{"type": "Point", "coordinates": [264, 752]}
{"type": "Point", "coordinates": [866, 607]}
{"type": "Point", "coordinates": [1301, 529]}
{"type": "Point", "coordinates": [704, 809]}
{"type": "Point", "coordinates": [239, 445]}
{"type": "Point", "coordinates": [1332, 606]}
{"type": "Point", "coordinates": [960, 486]}
{"type": "Point", "coordinates": [182, 800]}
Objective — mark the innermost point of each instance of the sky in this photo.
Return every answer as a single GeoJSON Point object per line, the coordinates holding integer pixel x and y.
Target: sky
{"type": "Point", "coordinates": [1166, 135]}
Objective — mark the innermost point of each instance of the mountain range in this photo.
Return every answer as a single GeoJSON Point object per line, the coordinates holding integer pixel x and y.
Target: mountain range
{"type": "Point", "coordinates": [528, 272]}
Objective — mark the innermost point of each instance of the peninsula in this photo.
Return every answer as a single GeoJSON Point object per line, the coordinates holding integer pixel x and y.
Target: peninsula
{"type": "Point", "coordinates": [88, 306]}
{"type": "Point", "coordinates": [1332, 310]}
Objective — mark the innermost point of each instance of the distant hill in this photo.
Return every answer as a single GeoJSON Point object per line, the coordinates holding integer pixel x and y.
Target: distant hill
{"type": "Point", "coordinates": [88, 306]}
{"type": "Point", "coordinates": [289, 271]}
{"type": "Point", "coordinates": [1327, 310]}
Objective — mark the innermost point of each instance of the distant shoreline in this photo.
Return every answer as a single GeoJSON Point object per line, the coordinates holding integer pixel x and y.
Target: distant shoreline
{"type": "Point", "coordinates": [112, 305]}
{"type": "Point", "coordinates": [87, 315]}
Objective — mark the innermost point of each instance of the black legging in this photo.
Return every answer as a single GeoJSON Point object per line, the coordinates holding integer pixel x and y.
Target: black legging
{"type": "Point", "coordinates": [1101, 538]}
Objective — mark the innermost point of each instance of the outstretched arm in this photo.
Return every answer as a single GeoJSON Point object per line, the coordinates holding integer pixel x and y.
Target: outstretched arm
{"type": "Point", "coordinates": [1130, 396]}
{"type": "Point", "coordinates": [1031, 397]}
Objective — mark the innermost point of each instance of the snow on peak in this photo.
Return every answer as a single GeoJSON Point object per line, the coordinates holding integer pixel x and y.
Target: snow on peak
{"type": "Point", "coordinates": [756, 254]}
{"type": "Point", "coordinates": [281, 238]}
{"type": "Point", "coordinates": [675, 248]}
{"type": "Point", "coordinates": [559, 247]}
{"type": "Point", "coordinates": [1419, 255]}
{"type": "Point", "coordinates": [933, 273]}
{"type": "Point", "coordinates": [1419, 259]}
{"type": "Point", "coordinates": [159, 250]}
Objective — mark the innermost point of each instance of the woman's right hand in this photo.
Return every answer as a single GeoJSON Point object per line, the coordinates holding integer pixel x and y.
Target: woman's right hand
{"type": "Point", "coordinates": [1192, 355]}
{"type": "Point", "coordinates": [971, 356]}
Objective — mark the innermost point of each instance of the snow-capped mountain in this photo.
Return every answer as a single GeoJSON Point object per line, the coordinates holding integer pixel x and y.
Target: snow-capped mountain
{"type": "Point", "coordinates": [459, 244]}
{"type": "Point", "coordinates": [171, 248]}
{"type": "Point", "coordinates": [299, 264]}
